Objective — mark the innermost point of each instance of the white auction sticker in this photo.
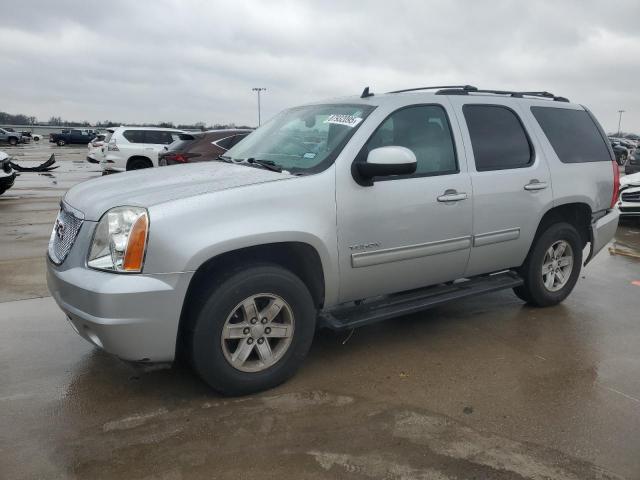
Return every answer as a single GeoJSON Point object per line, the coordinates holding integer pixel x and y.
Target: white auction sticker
{"type": "Point", "coordinates": [346, 120]}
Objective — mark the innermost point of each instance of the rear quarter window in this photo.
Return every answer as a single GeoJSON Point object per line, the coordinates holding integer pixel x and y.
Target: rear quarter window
{"type": "Point", "coordinates": [573, 134]}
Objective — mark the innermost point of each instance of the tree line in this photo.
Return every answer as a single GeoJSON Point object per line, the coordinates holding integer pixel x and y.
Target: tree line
{"type": "Point", "coordinates": [20, 119]}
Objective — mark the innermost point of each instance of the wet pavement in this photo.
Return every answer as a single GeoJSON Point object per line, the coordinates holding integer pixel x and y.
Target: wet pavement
{"type": "Point", "coordinates": [483, 388]}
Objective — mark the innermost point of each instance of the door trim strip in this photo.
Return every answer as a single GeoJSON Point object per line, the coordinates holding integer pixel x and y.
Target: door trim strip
{"type": "Point", "coordinates": [498, 236]}
{"type": "Point", "coordinates": [408, 252]}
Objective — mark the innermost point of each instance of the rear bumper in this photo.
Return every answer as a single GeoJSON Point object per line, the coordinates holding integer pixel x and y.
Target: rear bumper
{"type": "Point", "coordinates": [134, 317]}
{"type": "Point", "coordinates": [603, 230]}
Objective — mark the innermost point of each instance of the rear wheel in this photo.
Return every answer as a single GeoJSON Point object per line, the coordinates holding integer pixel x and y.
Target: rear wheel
{"type": "Point", "coordinates": [552, 267]}
{"type": "Point", "coordinates": [253, 330]}
{"type": "Point", "coordinates": [139, 164]}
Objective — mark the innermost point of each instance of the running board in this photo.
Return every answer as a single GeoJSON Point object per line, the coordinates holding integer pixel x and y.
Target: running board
{"type": "Point", "coordinates": [383, 308]}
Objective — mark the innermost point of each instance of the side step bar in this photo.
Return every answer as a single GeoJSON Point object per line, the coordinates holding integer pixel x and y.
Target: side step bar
{"type": "Point", "coordinates": [383, 308]}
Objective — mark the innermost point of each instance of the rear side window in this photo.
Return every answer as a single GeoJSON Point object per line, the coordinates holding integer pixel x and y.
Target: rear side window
{"type": "Point", "coordinates": [134, 136]}
{"type": "Point", "coordinates": [158, 137]}
{"type": "Point", "coordinates": [573, 134]}
{"type": "Point", "coordinates": [225, 143]}
{"type": "Point", "coordinates": [498, 138]}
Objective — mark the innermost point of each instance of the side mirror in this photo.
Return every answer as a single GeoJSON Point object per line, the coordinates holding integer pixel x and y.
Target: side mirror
{"type": "Point", "coordinates": [386, 161]}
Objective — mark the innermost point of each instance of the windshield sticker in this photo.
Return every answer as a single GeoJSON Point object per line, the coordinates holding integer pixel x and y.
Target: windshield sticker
{"type": "Point", "coordinates": [309, 155]}
{"type": "Point", "coordinates": [346, 120]}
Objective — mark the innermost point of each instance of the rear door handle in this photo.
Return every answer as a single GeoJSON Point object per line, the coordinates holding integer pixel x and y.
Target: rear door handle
{"type": "Point", "coordinates": [534, 185]}
{"type": "Point", "coordinates": [452, 196]}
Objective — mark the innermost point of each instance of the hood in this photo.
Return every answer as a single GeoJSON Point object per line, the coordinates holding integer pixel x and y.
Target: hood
{"type": "Point", "coordinates": [149, 187]}
{"type": "Point", "coordinates": [632, 180]}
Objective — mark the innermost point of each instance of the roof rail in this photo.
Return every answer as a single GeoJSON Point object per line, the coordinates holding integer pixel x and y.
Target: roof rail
{"type": "Point", "coordinates": [469, 88]}
{"type": "Point", "coordinates": [514, 94]}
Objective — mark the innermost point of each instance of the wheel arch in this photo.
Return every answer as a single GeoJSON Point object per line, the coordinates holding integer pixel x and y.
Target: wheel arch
{"type": "Point", "coordinates": [578, 214]}
{"type": "Point", "coordinates": [299, 257]}
{"type": "Point", "coordinates": [138, 157]}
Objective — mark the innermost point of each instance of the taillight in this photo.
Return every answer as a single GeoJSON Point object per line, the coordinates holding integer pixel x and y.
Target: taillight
{"type": "Point", "coordinates": [180, 157]}
{"type": "Point", "coordinates": [616, 183]}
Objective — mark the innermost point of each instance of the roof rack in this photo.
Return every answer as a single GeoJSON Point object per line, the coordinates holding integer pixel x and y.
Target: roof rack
{"type": "Point", "coordinates": [464, 87]}
{"type": "Point", "coordinates": [514, 94]}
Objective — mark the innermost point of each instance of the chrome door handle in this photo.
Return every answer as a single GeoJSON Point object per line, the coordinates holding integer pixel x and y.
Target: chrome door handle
{"type": "Point", "coordinates": [535, 185]}
{"type": "Point", "coordinates": [452, 196]}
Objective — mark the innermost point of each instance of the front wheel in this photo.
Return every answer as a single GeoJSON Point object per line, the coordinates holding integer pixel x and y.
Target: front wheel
{"type": "Point", "coordinates": [552, 268]}
{"type": "Point", "coordinates": [61, 143]}
{"type": "Point", "coordinates": [13, 141]}
{"type": "Point", "coordinates": [253, 330]}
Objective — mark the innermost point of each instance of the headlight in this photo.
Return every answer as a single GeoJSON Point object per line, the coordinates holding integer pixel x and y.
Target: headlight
{"type": "Point", "coordinates": [120, 240]}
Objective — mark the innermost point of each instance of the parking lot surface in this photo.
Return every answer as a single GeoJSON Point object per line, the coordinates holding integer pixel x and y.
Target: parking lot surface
{"type": "Point", "coordinates": [483, 388]}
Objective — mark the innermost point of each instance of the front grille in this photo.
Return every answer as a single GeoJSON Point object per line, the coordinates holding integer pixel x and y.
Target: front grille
{"type": "Point", "coordinates": [64, 233]}
{"type": "Point", "coordinates": [631, 197]}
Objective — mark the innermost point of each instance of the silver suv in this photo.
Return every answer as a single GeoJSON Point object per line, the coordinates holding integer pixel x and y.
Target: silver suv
{"type": "Point", "coordinates": [335, 214]}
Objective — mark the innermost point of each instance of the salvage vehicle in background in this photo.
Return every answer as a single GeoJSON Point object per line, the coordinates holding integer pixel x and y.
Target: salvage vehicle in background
{"type": "Point", "coordinates": [621, 152]}
{"type": "Point", "coordinates": [629, 202]}
{"type": "Point", "coordinates": [7, 175]}
{"type": "Point", "coordinates": [200, 147]}
{"type": "Point", "coordinates": [10, 136]}
{"type": "Point", "coordinates": [632, 165]}
{"type": "Point", "coordinates": [67, 137]}
{"type": "Point", "coordinates": [136, 148]}
{"type": "Point", "coordinates": [339, 215]}
{"type": "Point", "coordinates": [94, 147]}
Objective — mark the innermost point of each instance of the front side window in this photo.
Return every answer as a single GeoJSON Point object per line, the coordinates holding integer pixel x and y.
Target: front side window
{"type": "Point", "coordinates": [573, 134]}
{"type": "Point", "coordinates": [498, 138]}
{"type": "Point", "coordinates": [303, 139]}
{"type": "Point", "coordinates": [423, 129]}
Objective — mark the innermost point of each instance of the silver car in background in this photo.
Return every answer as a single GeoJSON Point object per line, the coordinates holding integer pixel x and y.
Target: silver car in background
{"type": "Point", "coordinates": [336, 214]}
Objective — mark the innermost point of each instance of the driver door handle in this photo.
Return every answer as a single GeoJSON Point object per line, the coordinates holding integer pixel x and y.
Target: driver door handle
{"type": "Point", "coordinates": [452, 196]}
{"type": "Point", "coordinates": [535, 185]}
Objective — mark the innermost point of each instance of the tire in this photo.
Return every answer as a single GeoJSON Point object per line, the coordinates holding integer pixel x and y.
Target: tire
{"type": "Point", "coordinates": [535, 291]}
{"type": "Point", "coordinates": [13, 141]}
{"type": "Point", "coordinates": [221, 310]}
{"type": "Point", "coordinates": [139, 164]}
{"type": "Point", "coordinates": [61, 143]}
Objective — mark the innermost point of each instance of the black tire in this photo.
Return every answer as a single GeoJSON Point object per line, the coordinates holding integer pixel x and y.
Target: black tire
{"type": "Point", "coordinates": [534, 292]}
{"type": "Point", "coordinates": [217, 303]}
{"type": "Point", "coordinates": [139, 164]}
{"type": "Point", "coordinates": [13, 141]}
{"type": "Point", "coordinates": [61, 143]}
{"type": "Point", "coordinates": [2, 190]}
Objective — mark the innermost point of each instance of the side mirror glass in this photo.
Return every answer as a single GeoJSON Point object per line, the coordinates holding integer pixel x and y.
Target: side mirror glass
{"type": "Point", "coordinates": [386, 161]}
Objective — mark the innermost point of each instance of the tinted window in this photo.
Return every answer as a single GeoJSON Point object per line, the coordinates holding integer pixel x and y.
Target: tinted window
{"type": "Point", "coordinates": [76, 132]}
{"type": "Point", "coordinates": [225, 143]}
{"type": "Point", "coordinates": [497, 137]}
{"type": "Point", "coordinates": [573, 135]}
{"type": "Point", "coordinates": [158, 137]}
{"type": "Point", "coordinates": [425, 131]}
{"type": "Point", "coordinates": [134, 136]}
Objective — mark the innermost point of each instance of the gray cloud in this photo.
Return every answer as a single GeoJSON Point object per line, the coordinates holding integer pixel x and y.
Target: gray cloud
{"type": "Point", "coordinates": [189, 61]}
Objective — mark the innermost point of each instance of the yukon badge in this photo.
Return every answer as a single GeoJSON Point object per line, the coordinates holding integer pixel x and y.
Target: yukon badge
{"type": "Point", "coordinates": [363, 246]}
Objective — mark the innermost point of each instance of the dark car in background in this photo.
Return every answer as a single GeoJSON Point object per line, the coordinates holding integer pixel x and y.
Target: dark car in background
{"type": "Point", "coordinates": [633, 163]}
{"type": "Point", "coordinates": [201, 147]}
{"type": "Point", "coordinates": [66, 137]}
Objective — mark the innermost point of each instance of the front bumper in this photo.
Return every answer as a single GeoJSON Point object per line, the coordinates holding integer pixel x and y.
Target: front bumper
{"type": "Point", "coordinates": [134, 317]}
{"type": "Point", "coordinates": [6, 182]}
{"type": "Point", "coordinates": [603, 230]}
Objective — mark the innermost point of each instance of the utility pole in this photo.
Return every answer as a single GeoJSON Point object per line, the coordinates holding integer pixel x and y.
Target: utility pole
{"type": "Point", "coordinates": [259, 89]}
{"type": "Point", "coordinates": [620, 112]}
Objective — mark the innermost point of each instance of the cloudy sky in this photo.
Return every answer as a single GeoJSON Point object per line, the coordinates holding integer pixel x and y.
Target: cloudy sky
{"type": "Point", "coordinates": [188, 61]}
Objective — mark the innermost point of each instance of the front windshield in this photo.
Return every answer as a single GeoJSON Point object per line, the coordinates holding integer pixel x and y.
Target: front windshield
{"type": "Point", "coordinates": [303, 139]}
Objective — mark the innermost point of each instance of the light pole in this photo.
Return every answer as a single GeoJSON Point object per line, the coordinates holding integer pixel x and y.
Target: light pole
{"type": "Point", "coordinates": [259, 89]}
{"type": "Point", "coordinates": [620, 112]}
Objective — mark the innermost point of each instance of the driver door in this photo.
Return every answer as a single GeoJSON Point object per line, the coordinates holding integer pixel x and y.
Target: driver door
{"type": "Point", "coordinates": [408, 231]}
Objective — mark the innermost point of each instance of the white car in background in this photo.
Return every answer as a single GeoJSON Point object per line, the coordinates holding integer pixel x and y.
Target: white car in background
{"type": "Point", "coordinates": [629, 201]}
{"type": "Point", "coordinates": [95, 147]}
{"type": "Point", "coordinates": [135, 148]}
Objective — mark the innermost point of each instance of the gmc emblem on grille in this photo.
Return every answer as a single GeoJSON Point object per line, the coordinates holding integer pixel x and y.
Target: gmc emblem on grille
{"type": "Point", "coordinates": [59, 229]}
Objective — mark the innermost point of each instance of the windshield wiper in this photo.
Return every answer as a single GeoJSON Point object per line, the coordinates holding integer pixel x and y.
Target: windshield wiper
{"type": "Point", "coordinates": [224, 158]}
{"type": "Point", "coordinates": [266, 164]}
